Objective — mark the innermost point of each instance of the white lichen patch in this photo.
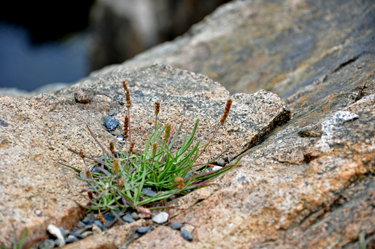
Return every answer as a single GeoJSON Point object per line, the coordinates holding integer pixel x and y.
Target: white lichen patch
{"type": "Point", "coordinates": [332, 127]}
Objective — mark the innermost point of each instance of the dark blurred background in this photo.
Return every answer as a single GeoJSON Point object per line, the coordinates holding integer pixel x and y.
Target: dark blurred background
{"type": "Point", "coordinates": [44, 42]}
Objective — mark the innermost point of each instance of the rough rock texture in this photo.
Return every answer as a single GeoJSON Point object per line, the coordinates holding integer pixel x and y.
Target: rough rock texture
{"type": "Point", "coordinates": [305, 183]}
{"type": "Point", "coordinates": [279, 46]}
{"type": "Point", "coordinates": [35, 134]}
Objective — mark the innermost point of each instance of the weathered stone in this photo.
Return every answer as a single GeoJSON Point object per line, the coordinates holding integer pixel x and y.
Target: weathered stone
{"type": "Point", "coordinates": [280, 46]}
{"type": "Point", "coordinates": [305, 183]}
{"type": "Point", "coordinates": [42, 128]}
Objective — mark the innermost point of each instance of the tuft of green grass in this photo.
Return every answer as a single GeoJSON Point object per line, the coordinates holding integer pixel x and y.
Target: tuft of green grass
{"type": "Point", "coordinates": [160, 167]}
{"type": "Point", "coordinates": [22, 244]}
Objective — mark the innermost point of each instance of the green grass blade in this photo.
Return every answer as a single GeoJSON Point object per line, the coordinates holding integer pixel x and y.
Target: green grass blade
{"type": "Point", "coordinates": [23, 238]}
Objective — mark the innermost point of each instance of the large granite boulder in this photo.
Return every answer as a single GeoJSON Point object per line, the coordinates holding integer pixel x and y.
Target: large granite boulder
{"type": "Point", "coordinates": [279, 46]}
{"type": "Point", "coordinates": [308, 161]}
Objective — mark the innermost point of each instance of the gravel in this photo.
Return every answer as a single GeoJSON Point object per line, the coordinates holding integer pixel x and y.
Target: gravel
{"type": "Point", "coordinates": [176, 225]}
{"type": "Point", "coordinates": [111, 123]}
{"type": "Point", "coordinates": [128, 218]}
{"type": "Point", "coordinates": [186, 235]}
{"type": "Point", "coordinates": [160, 218]}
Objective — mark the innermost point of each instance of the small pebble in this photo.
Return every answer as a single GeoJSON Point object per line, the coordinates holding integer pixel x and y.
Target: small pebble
{"type": "Point", "coordinates": [186, 235]}
{"type": "Point", "coordinates": [88, 221]}
{"type": "Point", "coordinates": [64, 232]}
{"type": "Point", "coordinates": [160, 218]}
{"type": "Point", "coordinates": [142, 215]}
{"type": "Point", "coordinates": [87, 233]}
{"type": "Point", "coordinates": [128, 218]}
{"type": "Point", "coordinates": [96, 171]}
{"type": "Point", "coordinates": [96, 229]}
{"type": "Point", "coordinates": [84, 95]}
{"type": "Point", "coordinates": [112, 112]}
{"type": "Point", "coordinates": [176, 225]}
{"type": "Point", "coordinates": [78, 235]}
{"type": "Point", "coordinates": [55, 231]}
{"type": "Point", "coordinates": [99, 224]}
{"type": "Point", "coordinates": [38, 212]}
{"type": "Point", "coordinates": [109, 217]}
{"type": "Point", "coordinates": [148, 192]}
{"type": "Point", "coordinates": [216, 168]}
{"type": "Point", "coordinates": [142, 230]}
{"type": "Point", "coordinates": [111, 123]}
{"type": "Point", "coordinates": [82, 230]}
{"type": "Point", "coordinates": [47, 244]}
{"type": "Point", "coordinates": [221, 162]}
{"type": "Point", "coordinates": [135, 216]}
{"type": "Point", "coordinates": [120, 138]}
{"type": "Point", "coordinates": [80, 224]}
{"type": "Point", "coordinates": [71, 239]}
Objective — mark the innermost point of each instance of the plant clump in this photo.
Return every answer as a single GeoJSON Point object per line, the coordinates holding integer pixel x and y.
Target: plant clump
{"type": "Point", "coordinates": [123, 179]}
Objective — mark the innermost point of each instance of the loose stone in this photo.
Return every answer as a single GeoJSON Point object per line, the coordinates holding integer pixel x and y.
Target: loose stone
{"type": "Point", "coordinates": [128, 218]}
{"type": "Point", "coordinates": [148, 192]}
{"type": "Point", "coordinates": [216, 168]}
{"type": "Point", "coordinates": [99, 224]}
{"type": "Point", "coordinates": [161, 217]}
{"type": "Point", "coordinates": [71, 239]}
{"type": "Point", "coordinates": [112, 112]}
{"type": "Point", "coordinates": [87, 233]}
{"type": "Point", "coordinates": [87, 227]}
{"type": "Point", "coordinates": [78, 235]}
{"type": "Point", "coordinates": [142, 230]}
{"type": "Point", "coordinates": [96, 171]}
{"type": "Point", "coordinates": [221, 162]}
{"type": "Point", "coordinates": [176, 225]}
{"type": "Point", "coordinates": [96, 229]}
{"type": "Point", "coordinates": [120, 138]}
{"type": "Point", "coordinates": [47, 244]}
{"type": "Point", "coordinates": [80, 224]}
{"type": "Point", "coordinates": [186, 235]}
{"type": "Point", "coordinates": [135, 216]}
{"type": "Point", "coordinates": [111, 123]}
{"type": "Point", "coordinates": [57, 233]}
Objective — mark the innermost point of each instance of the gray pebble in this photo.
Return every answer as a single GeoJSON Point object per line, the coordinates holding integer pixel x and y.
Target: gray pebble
{"type": "Point", "coordinates": [142, 230]}
{"type": "Point", "coordinates": [111, 123]}
{"type": "Point", "coordinates": [135, 216]}
{"type": "Point", "coordinates": [112, 112]}
{"type": "Point", "coordinates": [186, 235]}
{"type": "Point", "coordinates": [47, 244]}
{"type": "Point", "coordinates": [71, 239]}
{"type": "Point", "coordinates": [78, 235]}
{"type": "Point", "coordinates": [82, 230]}
{"type": "Point", "coordinates": [128, 218]}
{"type": "Point", "coordinates": [176, 225]}
{"type": "Point", "coordinates": [221, 162]}
{"type": "Point", "coordinates": [148, 192]}
{"type": "Point", "coordinates": [80, 224]}
{"type": "Point", "coordinates": [99, 224]}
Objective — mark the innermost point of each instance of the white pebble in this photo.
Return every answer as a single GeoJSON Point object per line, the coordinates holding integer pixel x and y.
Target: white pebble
{"type": "Point", "coordinates": [216, 168]}
{"type": "Point", "coordinates": [57, 233]}
{"type": "Point", "coordinates": [160, 218]}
